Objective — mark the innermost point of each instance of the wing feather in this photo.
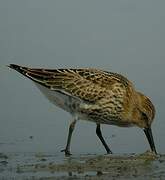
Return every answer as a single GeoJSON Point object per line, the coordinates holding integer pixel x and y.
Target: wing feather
{"type": "Point", "coordinates": [87, 84]}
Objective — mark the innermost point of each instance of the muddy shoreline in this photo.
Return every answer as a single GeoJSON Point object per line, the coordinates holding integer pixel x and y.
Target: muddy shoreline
{"type": "Point", "coordinates": [47, 166]}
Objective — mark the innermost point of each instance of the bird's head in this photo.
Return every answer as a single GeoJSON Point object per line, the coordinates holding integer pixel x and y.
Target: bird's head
{"type": "Point", "coordinates": [146, 111]}
{"type": "Point", "coordinates": [146, 114]}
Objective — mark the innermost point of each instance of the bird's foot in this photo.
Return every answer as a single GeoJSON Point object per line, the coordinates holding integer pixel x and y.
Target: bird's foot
{"type": "Point", "coordinates": [109, 152]}
{"type": "Point", "coordinates": [67, 152]}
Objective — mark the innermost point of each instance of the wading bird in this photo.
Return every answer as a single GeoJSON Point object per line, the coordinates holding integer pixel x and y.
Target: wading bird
{"type": "Point", "coordinates": [94, 95]}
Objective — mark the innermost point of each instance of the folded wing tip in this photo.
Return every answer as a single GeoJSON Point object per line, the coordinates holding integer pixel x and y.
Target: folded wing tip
{"type": "Point", "coordinates": [14, 66]}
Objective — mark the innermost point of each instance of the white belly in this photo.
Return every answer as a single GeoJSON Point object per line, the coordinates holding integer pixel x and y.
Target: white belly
{"type": "Point", "coordinates": [61, 99]}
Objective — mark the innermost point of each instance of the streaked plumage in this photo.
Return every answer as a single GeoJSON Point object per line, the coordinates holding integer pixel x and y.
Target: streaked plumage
{"type": "Point", "coordinates": [94, 95]}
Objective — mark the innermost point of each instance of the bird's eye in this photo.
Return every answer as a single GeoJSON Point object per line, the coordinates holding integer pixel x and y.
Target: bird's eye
{"type": "Point", "coordinates": [144, 116]}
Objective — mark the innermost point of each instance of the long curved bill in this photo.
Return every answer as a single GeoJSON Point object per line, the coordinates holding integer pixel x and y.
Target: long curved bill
{"type": "Point", "coordinates": [148, 133]}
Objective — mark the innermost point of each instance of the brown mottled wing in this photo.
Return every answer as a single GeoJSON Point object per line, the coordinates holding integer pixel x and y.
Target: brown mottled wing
{"type": "Point", "coordinates": [103, 78]}
{"type": "Point", "coordinates": [88, 84]}
{"type": "Point", "coordinates": [66, 80]}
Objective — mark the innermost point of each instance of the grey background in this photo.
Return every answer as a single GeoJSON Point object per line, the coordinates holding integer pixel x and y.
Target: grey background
{"type": "Point", "coordinates": [125, 36]}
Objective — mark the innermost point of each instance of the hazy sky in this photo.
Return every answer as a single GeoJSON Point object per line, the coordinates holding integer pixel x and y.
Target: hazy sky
{"type": "Point", "coordinates": [125, 36]}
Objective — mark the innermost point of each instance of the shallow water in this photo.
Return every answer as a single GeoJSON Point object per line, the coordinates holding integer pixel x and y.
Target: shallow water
{"type": "Point", "coordinates": [126, 37]}
{"type": "Point", "coordinates": [35, 166]}
{"type": "Point", "coordinates": [75, 35]}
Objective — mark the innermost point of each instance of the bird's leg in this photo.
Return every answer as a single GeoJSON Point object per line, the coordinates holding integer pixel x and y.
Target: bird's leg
{"type": "Point", "coordinates": [99, 134]}
{"type": "Point", "coordinates": [67, 149]}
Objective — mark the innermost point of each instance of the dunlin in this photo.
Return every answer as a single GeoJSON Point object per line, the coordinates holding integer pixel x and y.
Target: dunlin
{"type": "Point", "coordinates": [94, 95]}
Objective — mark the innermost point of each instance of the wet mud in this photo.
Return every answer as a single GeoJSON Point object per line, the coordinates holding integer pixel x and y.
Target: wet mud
{"type": "Point", "coordinates": [49, 166]}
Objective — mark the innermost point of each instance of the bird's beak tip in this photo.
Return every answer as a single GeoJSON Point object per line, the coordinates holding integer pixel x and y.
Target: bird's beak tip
{"type": "Point", "coordinates": [148, 133]}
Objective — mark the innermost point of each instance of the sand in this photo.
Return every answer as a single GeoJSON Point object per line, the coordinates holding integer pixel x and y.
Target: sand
{"type": "Point", "coordinates": [49, 166]}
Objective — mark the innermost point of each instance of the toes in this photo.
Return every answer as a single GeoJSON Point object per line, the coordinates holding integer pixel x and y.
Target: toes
{"type": "Point", "coordinates": [67, 152]}
{"type": "Point", "coordinates": [109, 152]}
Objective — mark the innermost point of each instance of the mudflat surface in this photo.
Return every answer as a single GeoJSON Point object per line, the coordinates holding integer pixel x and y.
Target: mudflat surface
{"type": "Point", "coordinates": [49, 166]}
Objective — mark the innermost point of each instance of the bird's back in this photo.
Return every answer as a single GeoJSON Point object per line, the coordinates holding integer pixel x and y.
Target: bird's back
{"type": "Point", "coordinates": [91, 93]}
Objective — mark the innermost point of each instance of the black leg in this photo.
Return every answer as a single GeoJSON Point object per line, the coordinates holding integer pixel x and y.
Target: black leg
{"type": "Point", "coordinates": [99, 134]}
{"type": "Point", "coordinates": [67, 149]}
